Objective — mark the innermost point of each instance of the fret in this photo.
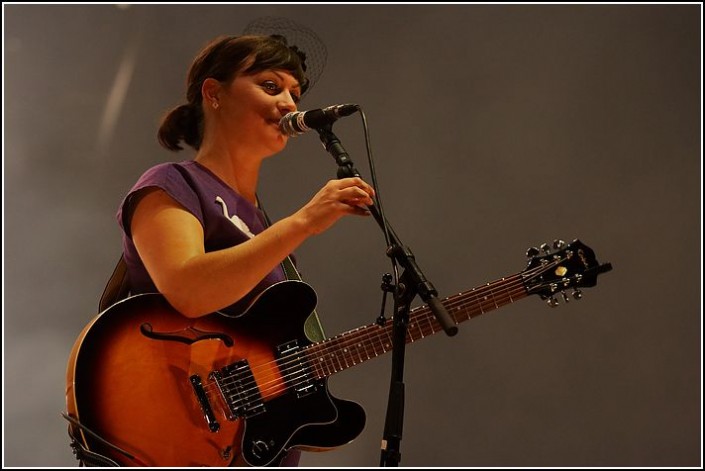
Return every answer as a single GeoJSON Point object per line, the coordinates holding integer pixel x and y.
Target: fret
{"type": "Point", "coordinates": [463, 311]}
{"type": "Point", "coordinates": [368, 343]}
{"type": "Point", "coordinates": [344, 356]}
{"type": "Point", "coordinates": [355, 347]}
{"type": "Point", "coordinates": [325, 365]}
{"type": "Point", "coordinates": [374, 338]}
{"type": "Point", "coordinates": [494, 300]}
{"type": "Point", "coordinates": [335, 359]}
{"type": "Point", "coordinates": [317, 367]}
{"type": "Point", "coordinates": [349, 352]}
{"type": "Point", "coordinates": [364, 343]}
{"type": "Point", "coordinates": [410, 332]}
{"type": "Point", "coordinates": [507, 293]}
{"type": "Point", "coordinates": [486, 304]}
{"type": "Point", "coordinates": [477, 304]}
{"type": "Point", "coordinates": [358, 349]}
{"type": "Point", "coordinates": [423, 321]}
{"type": "Point", "coordinates": [501, 292]}
{"type": "Point", "coordinates": [316, 358]}
{"type": "Point", "coordinates": [390, 342]}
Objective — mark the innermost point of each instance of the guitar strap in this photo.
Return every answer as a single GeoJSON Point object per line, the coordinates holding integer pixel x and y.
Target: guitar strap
{"type": "Point", "coordinates": [312, 326]}
{"type": "Point", "coordinates": [118, 286]}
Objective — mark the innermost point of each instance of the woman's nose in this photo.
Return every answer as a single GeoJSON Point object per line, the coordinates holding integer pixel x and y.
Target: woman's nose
{"type": "Point", "coordinates": [287, 103]}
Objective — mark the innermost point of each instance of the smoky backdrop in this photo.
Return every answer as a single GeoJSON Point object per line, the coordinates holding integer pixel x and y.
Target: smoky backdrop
{"type": "Point", "coordinates": [494, 128]}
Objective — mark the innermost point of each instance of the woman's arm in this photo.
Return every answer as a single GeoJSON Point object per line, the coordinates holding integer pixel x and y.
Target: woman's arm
{"type": "Point", "coordinates": [170, 243]}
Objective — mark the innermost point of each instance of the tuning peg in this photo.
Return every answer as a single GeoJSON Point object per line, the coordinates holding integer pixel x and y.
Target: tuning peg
{"type": "Point", "coordinates": [565, 297]}
{"type": "Point", "coordinates": [553, 302]}
{"type": "Point", "coordinates": [532, 252]}
{"type": "Point", "coordinates": [558, 244]}
{"type": "Point", "coordinates": [546, 248]}
{"type": "Point", "coordinates": [577, 294]}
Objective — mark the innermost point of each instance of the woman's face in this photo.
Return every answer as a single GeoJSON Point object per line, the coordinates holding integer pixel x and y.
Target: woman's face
{"type": "Point", "coordinates": [253, 105]}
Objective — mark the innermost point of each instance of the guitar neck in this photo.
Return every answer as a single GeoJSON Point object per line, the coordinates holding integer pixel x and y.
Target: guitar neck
{"type": "Point", "coordinates": [365, 343]}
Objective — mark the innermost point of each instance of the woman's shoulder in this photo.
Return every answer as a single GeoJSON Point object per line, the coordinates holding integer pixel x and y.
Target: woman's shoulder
{"type": "Point", "coordinates": [171, 177]}
{"type": "Point", "coordinates": [164, 169]}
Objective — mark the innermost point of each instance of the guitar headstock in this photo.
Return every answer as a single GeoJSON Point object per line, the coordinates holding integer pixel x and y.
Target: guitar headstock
{"type": "Point", "coordinates": [566, 266]}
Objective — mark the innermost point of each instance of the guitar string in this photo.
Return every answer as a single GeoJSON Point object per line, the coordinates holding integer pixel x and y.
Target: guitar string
{"type": "Point", "coordinates": [345, 341]}
{"type": "Point", "coordinates": [286, 379]}
{"type": "Point", "coordinates": [289, 380]}
{"type": "Point", "coordinates": [450, 303]}
{"type": "Point", "coordinates": [281, 369]}
{"type": "Point", "coordinates": [351, 334]}
{"type": "Point", "coordinates": [299, 357]}
{"type": "Point", "coordinates": [479, 297]}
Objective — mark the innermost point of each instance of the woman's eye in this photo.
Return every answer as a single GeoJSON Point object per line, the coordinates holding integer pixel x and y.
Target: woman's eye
{"type": "Point", "coordinates": [270, 86]}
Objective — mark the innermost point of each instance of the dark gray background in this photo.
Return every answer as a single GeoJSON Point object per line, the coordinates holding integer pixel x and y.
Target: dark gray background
{"type": "Point", "coordinates": [494, 128]}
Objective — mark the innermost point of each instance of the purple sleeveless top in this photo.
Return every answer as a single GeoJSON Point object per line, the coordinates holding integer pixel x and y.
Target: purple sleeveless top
{"type": "Point", "coordinates": [227, 218]}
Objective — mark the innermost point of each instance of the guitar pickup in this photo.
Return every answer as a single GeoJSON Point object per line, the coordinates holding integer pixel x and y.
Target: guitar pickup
{"type": "Point", "coordinates": [295, 369]}
{"type": "Point", "coordinates": [239, 390]}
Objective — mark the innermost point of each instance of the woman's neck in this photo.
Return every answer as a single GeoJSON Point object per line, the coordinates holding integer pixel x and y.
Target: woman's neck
{"type": "Point", "coordinates": [240, 172]}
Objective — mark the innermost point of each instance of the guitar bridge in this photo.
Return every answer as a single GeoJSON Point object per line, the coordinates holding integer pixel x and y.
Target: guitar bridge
{"type": "Point", "coordinates": [202, 398]}
{"type": "Point", "coordinates": [295, 368]}
{"type": "Point", "coordinates": [239, 390]}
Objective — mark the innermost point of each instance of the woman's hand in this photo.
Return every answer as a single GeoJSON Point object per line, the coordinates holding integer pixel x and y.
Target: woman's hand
{"type": "Point", "coordinates": [335, 200]}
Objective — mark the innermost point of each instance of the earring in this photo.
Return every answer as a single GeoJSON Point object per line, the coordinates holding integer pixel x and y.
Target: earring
{"type": "Point", "coordinates": [215, 105]}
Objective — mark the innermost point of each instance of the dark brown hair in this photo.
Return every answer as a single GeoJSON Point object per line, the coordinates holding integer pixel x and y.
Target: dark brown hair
{"type": "Point", "coordinates": [222, 59]}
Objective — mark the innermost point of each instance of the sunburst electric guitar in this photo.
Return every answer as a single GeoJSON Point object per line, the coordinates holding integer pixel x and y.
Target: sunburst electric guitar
{"type": "Point", "coordinates": [151, 387]}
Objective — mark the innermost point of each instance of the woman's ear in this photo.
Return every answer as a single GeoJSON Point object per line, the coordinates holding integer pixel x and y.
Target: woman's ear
{"type": "Point", "coordinates": [210, 91]}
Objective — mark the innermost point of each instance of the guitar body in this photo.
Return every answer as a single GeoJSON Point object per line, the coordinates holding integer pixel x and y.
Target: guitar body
{"type": "Point", "coordinates": [211, 391]}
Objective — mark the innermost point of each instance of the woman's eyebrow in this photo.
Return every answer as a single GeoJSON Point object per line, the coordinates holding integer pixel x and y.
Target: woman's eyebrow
{"type": "Point", "coordinates": [282, 77]}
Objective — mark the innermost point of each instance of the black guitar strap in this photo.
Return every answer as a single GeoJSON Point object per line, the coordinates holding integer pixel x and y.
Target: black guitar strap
{"type": "Point", "coordinates": [118, 287]}
{"type": "Point", "coordinates": [84, 456]}
{"type": "Point", "coordinates": [312, 326]}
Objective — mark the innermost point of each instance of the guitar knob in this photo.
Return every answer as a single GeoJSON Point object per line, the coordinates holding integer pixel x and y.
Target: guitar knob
{"type": "Point", "coordinates": [259, 448]}
{"type": "Point", "coordinates": [553, 302]}
{"type": "Point", "coordinates": [532, 252]}
{"type": "Point", "coordinates": [577, 294]}
{"type": "Point", "coordinates": [546, 248]}
{"type": "Point", "coordinates": [558, 244]}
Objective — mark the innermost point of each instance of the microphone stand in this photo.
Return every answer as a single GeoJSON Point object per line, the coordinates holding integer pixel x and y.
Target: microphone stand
{"type": "Point", "coordinates": [411, 283]}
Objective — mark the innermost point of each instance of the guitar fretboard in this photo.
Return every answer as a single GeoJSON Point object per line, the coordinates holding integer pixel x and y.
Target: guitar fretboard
{"type": "Point", "coordinates": [365, 343]}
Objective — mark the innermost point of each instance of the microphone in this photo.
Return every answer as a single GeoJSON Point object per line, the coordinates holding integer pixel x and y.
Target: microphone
{"type": "Point", "coordinates": [298, 122]}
